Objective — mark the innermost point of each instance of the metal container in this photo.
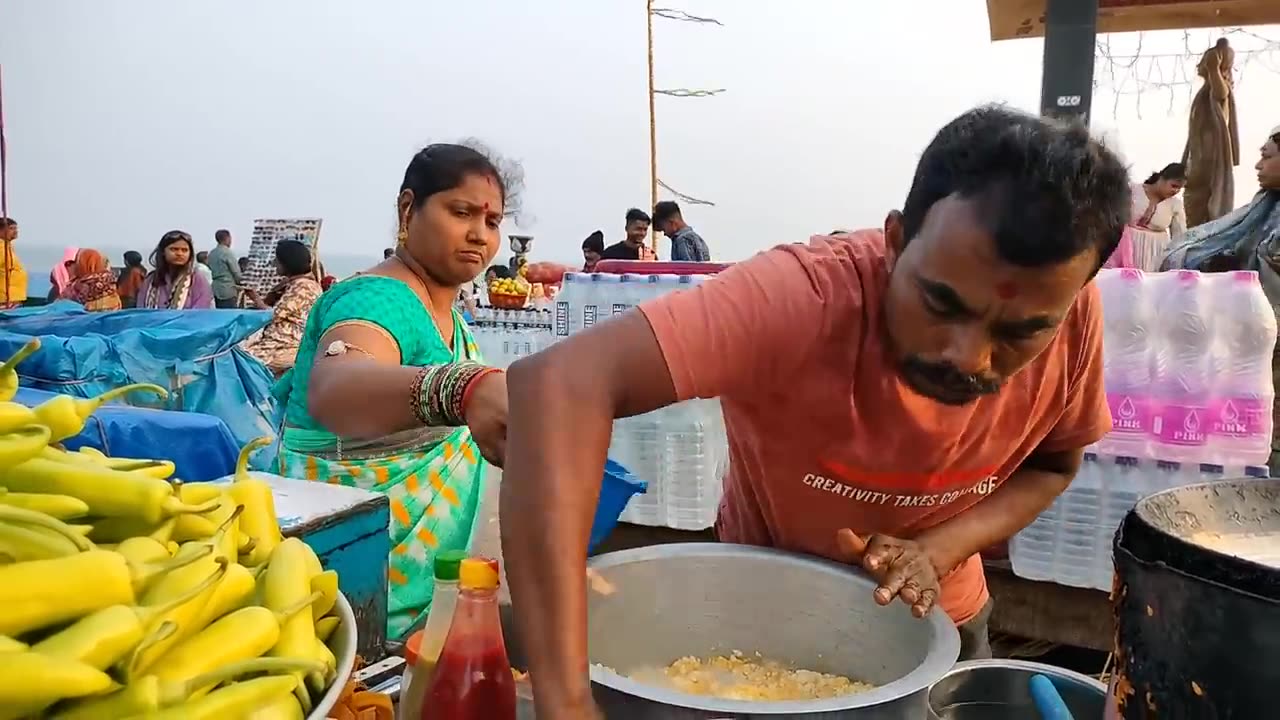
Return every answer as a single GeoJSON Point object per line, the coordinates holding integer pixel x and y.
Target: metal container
{"type": "Point", "coordinates": [1197, 591]}
{"type": "Point", "coordinates": [703, 599]}
{"type": "Point", "coordinates": [1000, 690]}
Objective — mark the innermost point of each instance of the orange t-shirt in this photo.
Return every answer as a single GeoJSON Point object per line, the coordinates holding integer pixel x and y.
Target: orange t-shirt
{"type": "Point", "coordinates": [823, 434]}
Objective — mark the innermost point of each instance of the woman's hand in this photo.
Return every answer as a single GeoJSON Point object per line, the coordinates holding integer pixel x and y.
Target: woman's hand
{"type": "Point", "coordinates": [486, 416]}
{"type": "Point", "coordinates": [902, 568]}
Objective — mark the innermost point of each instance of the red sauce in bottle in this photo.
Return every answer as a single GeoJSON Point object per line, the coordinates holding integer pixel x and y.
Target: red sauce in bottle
{"type": "Point", "coordinates": [472, 679]}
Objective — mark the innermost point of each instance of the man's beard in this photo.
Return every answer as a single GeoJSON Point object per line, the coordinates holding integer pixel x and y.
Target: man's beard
{"type": "Point", "coordinates": [945, 383]}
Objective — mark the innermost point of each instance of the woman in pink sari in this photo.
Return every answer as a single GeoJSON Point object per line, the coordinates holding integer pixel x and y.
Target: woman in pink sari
{"type": "Point", "coordinates": [61, 274]}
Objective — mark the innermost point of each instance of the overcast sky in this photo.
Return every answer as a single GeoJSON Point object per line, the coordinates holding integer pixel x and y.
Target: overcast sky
{"type": "Point", "coordinates": [125, 119]}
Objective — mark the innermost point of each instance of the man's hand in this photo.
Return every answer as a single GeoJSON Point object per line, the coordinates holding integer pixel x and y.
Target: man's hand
{"type": "Point", "coordinates": [901, 567]}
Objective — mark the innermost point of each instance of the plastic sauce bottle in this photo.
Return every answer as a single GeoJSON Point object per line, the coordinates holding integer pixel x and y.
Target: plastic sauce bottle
{"type": "Point", "coordinates": [423, 648]}
{"type": "Point", "coordinates": [472, 680]}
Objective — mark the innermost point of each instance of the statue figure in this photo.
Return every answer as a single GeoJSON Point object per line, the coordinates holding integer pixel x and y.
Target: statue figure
{"type": "Point", "coordinates": [1213, 139]}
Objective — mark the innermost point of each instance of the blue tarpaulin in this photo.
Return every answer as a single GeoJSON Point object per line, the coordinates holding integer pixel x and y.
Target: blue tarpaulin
{"type": "Point", "coordinates": [192, 353]}
{"type": "Point", "coordinates": [200, 446]}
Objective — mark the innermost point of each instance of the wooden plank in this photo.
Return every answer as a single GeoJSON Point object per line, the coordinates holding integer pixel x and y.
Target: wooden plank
{"type": "Point", "coordinates": [1047, 611]}
{"type": "Point", "coordinates": [1011, 19]}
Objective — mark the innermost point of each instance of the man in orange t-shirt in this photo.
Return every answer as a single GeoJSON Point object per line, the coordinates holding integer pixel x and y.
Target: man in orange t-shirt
{"type": "Point", "coordinates": [897, 399]}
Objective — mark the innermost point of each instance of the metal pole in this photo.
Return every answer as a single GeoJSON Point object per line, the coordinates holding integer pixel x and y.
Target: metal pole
{"type": "Point", "coordinates": [1070, 38]}
{"type": "Point", "coordinates": [653, 132]}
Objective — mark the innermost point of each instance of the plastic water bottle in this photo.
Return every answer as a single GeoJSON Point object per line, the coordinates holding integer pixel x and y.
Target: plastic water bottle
{"type": "Point", "coordinates": [605, 289]}
{"type": "Point", "coordinates": [1246, 331]}
{"type": "Point", "coordinates": [1183, 368]}
{"type": "Point", "coordinates": [567, 299]}
{"type": "Point", "coordinates": [1126, 338]}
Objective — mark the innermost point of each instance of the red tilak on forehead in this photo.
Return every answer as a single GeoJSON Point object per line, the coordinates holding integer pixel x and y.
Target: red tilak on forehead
{"type": "Point", "coordinates": [1006, 290]}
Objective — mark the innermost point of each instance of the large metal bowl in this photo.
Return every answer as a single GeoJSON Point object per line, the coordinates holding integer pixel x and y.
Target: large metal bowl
{"type": "Point", "coordinates": [702, 599]}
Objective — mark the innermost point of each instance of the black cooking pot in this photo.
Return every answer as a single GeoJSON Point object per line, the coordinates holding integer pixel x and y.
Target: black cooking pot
{"type": "Point", "coordinates": [1197, 603]}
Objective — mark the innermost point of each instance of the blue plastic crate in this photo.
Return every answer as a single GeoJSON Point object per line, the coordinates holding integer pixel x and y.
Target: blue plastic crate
{"type": "Point", "coordinates": [615, 492]}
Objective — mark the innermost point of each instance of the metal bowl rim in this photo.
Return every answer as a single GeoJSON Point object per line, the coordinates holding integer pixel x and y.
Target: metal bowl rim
{"type": "Point", "coordinates": [939, 658]}
{"type": "Point", "coordinates": [1052, 671]}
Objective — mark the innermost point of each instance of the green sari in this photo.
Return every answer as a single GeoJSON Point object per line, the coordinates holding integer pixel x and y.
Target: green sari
{"type": "Point", "coordinates": [432, 476]}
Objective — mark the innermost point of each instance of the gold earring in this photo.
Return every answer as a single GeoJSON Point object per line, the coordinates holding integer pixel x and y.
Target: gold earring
{"type": "Point", "coordinates": [403, 236]}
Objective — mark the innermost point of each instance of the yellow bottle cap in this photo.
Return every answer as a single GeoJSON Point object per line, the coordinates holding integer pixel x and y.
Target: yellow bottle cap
{"type": "Point", "coordinates": [478, 574]}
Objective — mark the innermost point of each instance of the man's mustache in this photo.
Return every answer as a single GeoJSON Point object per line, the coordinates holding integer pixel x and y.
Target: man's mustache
{"type": "Point", "coordinates": [949, 377]}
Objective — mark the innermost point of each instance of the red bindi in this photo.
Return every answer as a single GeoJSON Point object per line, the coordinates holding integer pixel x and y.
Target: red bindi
{"type": "Point", "coordinates": [1006, 290]}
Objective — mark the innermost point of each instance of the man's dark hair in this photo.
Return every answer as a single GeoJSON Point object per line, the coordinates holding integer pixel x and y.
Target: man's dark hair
{"type": "Point", "coordinates": [1046, 190]}
{"type": "Point", "coordinates": [202, 257]}
{"type": "Point", "coordinates": [1172, 171]}
{"type": "Point", "coordinates": [222, 235]}
{"type": "Point", "coordinates": [5, 222]}
{"type": "Point", "coordinates": [637, 215]}
{"type": "Point", "coordinates": [664, 211]}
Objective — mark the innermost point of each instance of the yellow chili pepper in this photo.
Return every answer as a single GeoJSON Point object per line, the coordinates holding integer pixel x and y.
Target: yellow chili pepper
{"type": "Point", "coordinates": [94, 453]}
{"type": "Point", "coordinates": [109, 493]}
{"type": "Point", "coordinates": [234, 701]}
{"type": "Point", "coordinates": [62, 507]}
{"type": "Point", "coordinates": [86, 455]}
{"type": "Point", "coordinates": [14, 415]}
{"type": "Point", "coordinates": [318, 680]}
{"type": "Point", "coordinates": [326, 584]}
{"type": "Point", "coordinates": [42, 593]}
{"type": "Point", "coordinates": [259, 520]}
{"type": "Point", "coordinates": [206, 525]}
{"type": "Point", "coordinates": [143, 549]}
{"type": "Point", "coordinates": [8, 645]}
{"type": "Point", "coordinates": [40, 521]}
{"type": "Point", "coordinates": [283, 708]}
{"type": "Point", "coordinates": [102, 638]}
{"type": "Point", "coordinates": [22, 544]}
{"type": "Point", "coordinates": [22, 445]}
{"type": "Point", "coordinates": [150, 694]}
{"type": "Point", "coordinates": [183, 617]}
{"type": "Point", "coordinates": [233, 592]}
{"type": "Point", "coordinates": [65, 416]}
{"type": "Point", "coordinates": [32, 678]}
{"type": "Point", "coordinates": [242, 635]}
{"type": "Point", "coordinates": [325, 627]}
{"type": "Point", "coordinates": [287, 583]}
{"type": "Point", "coordinates": [9, 373]}
{"type": "Point", "coordinates": [119, 529]}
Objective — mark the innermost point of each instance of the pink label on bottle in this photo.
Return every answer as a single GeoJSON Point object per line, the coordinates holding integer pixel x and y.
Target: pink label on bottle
{"type": "Point", "coordinates": [1182, 425]}
{"type": "Point", "coordinates": [1240, 417]}
{"type": "Point", "coordinates": [1130, 414]}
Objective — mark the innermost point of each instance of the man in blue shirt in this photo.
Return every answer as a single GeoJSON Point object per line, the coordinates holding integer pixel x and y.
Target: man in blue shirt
{"type": "Point", "coordinates": [686, 245]}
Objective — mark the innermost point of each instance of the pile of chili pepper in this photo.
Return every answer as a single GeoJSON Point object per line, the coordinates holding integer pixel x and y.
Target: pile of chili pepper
{"type": "Point", "coordinates": [127, 594]}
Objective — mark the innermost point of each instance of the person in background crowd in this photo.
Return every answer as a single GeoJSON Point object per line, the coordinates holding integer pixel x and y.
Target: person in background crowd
{"type": "Point", "coordinates": [897, 399]}
{"type": "Point", "coordinates": [633, 246]}
{"type": "Point", "coordinates": [14, 275]}
{"type": "Point", "coordinates": [496, 272]}
{"type": "Point", "coordinates": [1157, 216]}
{"type": "Point", "coordinates": [242, 299]}
{"type": "Point", "coordinates": [60, 275]}
{"type": "Point", "coordinates": [276, 344]}
{"type": "Point", "coordinates": [131, 278]}
{"type": "Point", "coordinates": [388, 392]}
{"type": "Point", "coordinates": [202, 265]}
{"type": "Point", "coordinates": [327, 282]}
{"type": "Point", "coordinates": [592, 251]}
{"type": "Point", "coordinates": [174, 284]}
{"type": "Point", "coordinates": [686, 245]}
{"type": "Point", "coordinates": [93, 284]}
{"type": "Point", "coordinates": [387, 253]}
{"type": "Point", "coordinates": [225, 271]}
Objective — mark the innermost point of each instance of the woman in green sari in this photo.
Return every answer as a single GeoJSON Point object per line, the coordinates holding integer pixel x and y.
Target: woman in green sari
{"type": "Point", "coordinates": [388, 392]}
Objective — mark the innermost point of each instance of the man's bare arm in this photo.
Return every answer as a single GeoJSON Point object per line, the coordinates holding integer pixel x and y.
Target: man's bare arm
{"type": "Point", "coordinates": [562, 405]}
{"type": "Point", "coordinates": [1012, 507]}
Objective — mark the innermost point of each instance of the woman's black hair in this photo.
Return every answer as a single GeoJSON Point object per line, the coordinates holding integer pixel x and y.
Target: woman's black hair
{"type": "Point", "coordinates": [501, 272]}
{"type": "Point", "coordinates": [1172, 171]}
{"type": "Point", "coordinates": [443, 166]}
{"type": "Point", "coordinates": [158, 261]}
{"type": "Point", "coordinates": [294, 257]}
{"type": "Point", "coordinates": [133, 258]}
